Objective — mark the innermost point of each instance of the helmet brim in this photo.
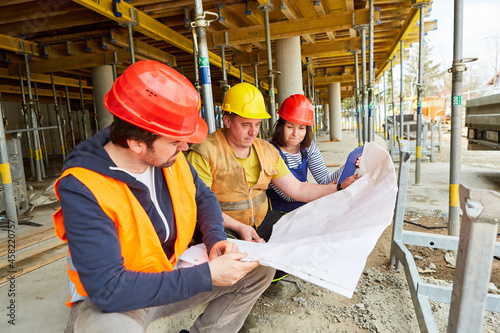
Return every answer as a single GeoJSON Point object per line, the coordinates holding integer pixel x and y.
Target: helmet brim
{"type": "Point", "coordinates": [198, 136]}
{"type": "Point", "coordinates": [296, 120]}
{"type": "Point", "coordinates": [261, 115]}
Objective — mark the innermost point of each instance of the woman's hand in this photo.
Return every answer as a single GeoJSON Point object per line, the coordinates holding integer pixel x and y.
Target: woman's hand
{"type": "Point", "coordinates": [358, 162]}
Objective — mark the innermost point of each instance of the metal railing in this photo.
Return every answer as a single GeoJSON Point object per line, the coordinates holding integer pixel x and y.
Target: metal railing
{"type": "Point", "coordinates": [469, 297]}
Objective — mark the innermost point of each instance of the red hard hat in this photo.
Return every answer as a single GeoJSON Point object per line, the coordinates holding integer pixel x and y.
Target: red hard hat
{"type": "Point", "coordinates": [297, 109]}
{"type": "Point", "coordinates": [157, 98]}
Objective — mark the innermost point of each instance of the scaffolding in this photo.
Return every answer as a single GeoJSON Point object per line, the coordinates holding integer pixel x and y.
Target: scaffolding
{"type": "Point", "coordinates": [476, 248]}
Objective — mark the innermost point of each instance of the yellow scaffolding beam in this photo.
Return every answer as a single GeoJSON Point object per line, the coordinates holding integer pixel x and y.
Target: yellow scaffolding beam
{"type": "Point", "coordinates": [43, 78]}
{"type": "Point", "coordinates": [153, 29]}
{"type": "Point", "coordinates": [409, 23]}
{"type": "Point", "coordinates": [6, 89]}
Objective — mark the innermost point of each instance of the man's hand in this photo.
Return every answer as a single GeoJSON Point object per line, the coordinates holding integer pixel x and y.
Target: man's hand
{"type": "Point", "coordinates": [227, 269]}
{"type": "Point", "coordinates": [223, 247]}
{"type": "Point", "coordinates": [248, 233]}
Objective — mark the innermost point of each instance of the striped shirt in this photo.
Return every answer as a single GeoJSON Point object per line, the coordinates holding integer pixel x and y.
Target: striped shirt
{"type": "Point", "coordinates": [316, 166]}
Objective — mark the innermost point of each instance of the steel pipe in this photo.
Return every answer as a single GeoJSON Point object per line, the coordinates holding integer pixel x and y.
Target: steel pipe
{"type": "Point", "coordinates": [223, 82]}
{"type": "Point", "coordinates": [8, 189]}
{"type": "Point", "coordinates": [197, 84]}
{"type": "Point", "coordinates": [371, 87]}
{"type": "Point", "coordinates": [358, 111]}
{"type": "Point", "coordinates": [385, 111]}
{"type": "Point", "coordinates": [82, 107]}
{"type": "Point", "coordinates": [70, 119]}
{"type": "Point", "coordinates": [45, 156]}
{"type": "Point", "coordinates": [418, 155]}
{"type": "Point", "coordinates": [364, 84]}
{"type": "Point", "coordinates": [266, 8]}
{"type": "Point", "coordinates": [457, 70]}
{"type": "Point", "coordinates": [24, 109]}
{"type": "Point", "coordinates": [30, 129]}
{"type": "Point", "coordinates": [393, 102]}
{"type": "Point", "coordinates": [401, 95]}
{"type": "Point", "coordinates": [256, 75]}
{"type": "Point", "coordinates": [34, 123]}
{"type": "Point", "coordinates": [200, 24]}
{"type": "Point", "coordinates": [58, 118]}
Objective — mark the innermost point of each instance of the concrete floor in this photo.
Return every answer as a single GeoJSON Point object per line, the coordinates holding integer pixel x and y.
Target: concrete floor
{"type": "Point", "coordinates": [41, 294]}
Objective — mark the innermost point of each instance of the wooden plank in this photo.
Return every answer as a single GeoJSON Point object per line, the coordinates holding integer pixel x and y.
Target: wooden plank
{"type": "Point", "coordinates": [13, 2]}
{"type": "Point", "coordinates": [29, 238]}
{"type": "Point", "coordinates": [325, 80]}
{"type": "Point", "coordinates": [43, 78]}
{"type": "Point", "coordinates": [14, 44]}
{"type": "Point", "coordinates": [330, 48]}
{"type": "Point", "coordinates": [15, 90]}
{"type": "Point", "coordinates": [78, 62]}
{"type": "Point", "coordinates": [36, 12]}
{"type": "Point", "coordinates": [299, 27]}
{"type": "Point", "coordinates": [153, 29]}
{"type": "Point", "coordinates": [26, 27]}
{"type": "Point", "coordinates": [409, 23]}
{"type": "Point", "coordinates": [143, 48]}
{"type": "Point", "coordinates": [30, 264]}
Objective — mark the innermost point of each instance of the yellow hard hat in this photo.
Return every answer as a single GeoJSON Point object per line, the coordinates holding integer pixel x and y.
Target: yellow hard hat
{"type": "Point", "coordinates": [245, 100]}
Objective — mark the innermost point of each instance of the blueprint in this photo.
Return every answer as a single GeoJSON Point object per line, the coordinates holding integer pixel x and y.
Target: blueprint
{"type": "Point", "coordinates": [328, 241]}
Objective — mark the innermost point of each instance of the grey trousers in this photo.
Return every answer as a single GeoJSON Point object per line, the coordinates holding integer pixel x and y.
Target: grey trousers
{"type": "Point", "coordinates": [226, 312]}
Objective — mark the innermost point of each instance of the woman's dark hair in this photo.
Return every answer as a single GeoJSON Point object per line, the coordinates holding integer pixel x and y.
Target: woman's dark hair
{"type": "Point", "coordinates": [279, 136]}
{"type": "Point", "coordinates": [120, 131]}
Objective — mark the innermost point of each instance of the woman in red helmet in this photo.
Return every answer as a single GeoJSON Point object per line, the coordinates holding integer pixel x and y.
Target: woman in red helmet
{"type": "Point", "coordinates": [293, 138]}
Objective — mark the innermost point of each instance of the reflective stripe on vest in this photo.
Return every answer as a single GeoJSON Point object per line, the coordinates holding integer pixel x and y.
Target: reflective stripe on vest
{"type": "Point", "coordinates": [244, 204]}
{"type": "Point", "coordinates": [140, 245]}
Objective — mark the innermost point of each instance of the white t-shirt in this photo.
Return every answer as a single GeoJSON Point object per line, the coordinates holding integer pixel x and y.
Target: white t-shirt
{"type": "Point", "coordinates": [148, 179]}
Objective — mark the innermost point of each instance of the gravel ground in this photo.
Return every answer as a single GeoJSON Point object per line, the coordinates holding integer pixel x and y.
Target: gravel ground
{"type": "Point", "coordinates": [381, 303]}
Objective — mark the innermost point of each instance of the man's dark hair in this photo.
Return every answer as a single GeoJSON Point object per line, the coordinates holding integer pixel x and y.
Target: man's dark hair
{"type": "Point", "coordinates": [279, 135]}
{"type": "Point", "coordinates": [120, 131]}
{"type": "Point", "coordinates": [231, 115]}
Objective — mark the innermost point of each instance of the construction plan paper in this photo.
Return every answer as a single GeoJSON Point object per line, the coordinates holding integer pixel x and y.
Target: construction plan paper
{"type": "Point", "coordinates": [327, 241]}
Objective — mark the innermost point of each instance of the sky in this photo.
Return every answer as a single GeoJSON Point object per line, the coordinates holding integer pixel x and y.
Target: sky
{"type": "Point", "coordinates": [481, 30]}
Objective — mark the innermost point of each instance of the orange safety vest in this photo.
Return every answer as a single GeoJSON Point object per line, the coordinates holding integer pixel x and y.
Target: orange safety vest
{"type": "Point", "coordinates": [236, 198]}
{"type": "Point", "coordinates": [140, 246]}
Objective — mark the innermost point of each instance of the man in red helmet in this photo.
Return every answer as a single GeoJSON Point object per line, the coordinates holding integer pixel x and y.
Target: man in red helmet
{"type": "Point", "coordinates": [130, 202]}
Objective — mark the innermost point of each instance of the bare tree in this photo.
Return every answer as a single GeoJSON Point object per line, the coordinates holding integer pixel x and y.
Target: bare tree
{"type": "Point", "coordinates": [433, 75]}
{"type": "Point", "coordinates": [494, 54]}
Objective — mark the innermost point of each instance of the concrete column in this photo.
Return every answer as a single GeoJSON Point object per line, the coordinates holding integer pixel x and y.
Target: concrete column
{"type": "Point", "coordinates": [102, 80]}
{"type": "Point", "coordinates": [326, 111]}
{"type": "Point", "coordinates": [289, 63]}
{"type": "Point", "coordinates": [334, 99]}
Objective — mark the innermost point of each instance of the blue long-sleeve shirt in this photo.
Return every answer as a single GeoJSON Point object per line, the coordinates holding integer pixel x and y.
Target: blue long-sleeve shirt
{"type": "Point", "coordinates": [95, 248]}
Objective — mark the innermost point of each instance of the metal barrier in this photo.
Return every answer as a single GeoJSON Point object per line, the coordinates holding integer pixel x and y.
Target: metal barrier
{"type": "Point", "coordinates": [428, 144]}
{"type": "Point", "coordinates": [476, 247]}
